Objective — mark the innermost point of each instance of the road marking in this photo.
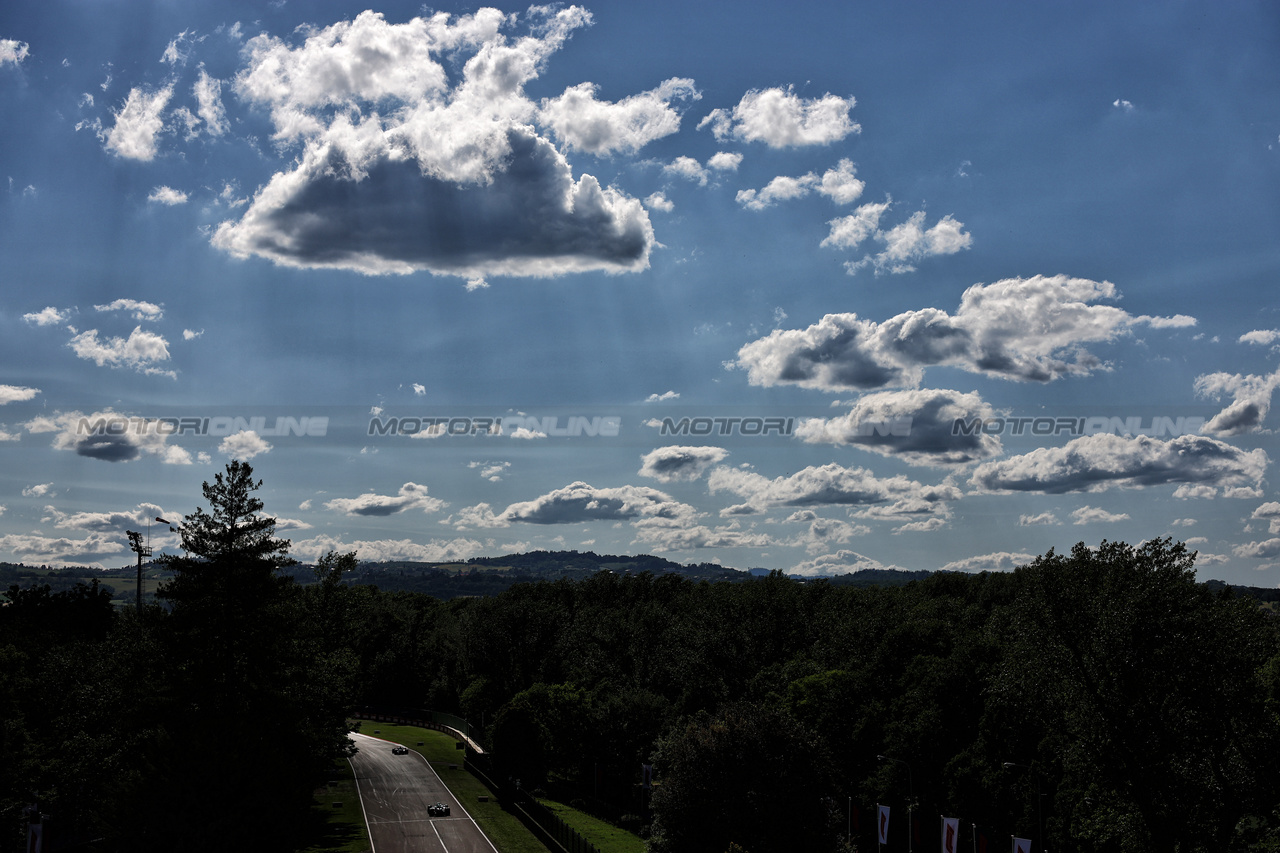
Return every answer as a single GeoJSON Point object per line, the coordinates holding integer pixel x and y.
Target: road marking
{"type": "Point", "coordinates": [360, 797]}
{"type": "Point", "coordinates": [456, 800]}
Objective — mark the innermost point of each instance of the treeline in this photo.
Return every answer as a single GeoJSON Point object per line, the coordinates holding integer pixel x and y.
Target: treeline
{"type": "Point", "coordinates": [1100, 700]}
{"type": "Point", "coordinates": [1103, 695]}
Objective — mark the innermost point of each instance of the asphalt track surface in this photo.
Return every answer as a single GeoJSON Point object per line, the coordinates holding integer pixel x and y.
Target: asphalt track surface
{"type": "Point", "coordinates": [395, 791]}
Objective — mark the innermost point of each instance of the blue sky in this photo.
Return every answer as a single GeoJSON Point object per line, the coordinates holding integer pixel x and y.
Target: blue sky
{"type": "Point", "coordinates": [818, 287]}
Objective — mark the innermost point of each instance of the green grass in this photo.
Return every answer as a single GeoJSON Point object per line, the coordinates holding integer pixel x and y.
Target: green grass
{"type": "Point", "coordinates": [340, 830]}
{"type": "Point", "coordinates": [605, 836]}
{"type": "Point", "coordinates": [506, 832]}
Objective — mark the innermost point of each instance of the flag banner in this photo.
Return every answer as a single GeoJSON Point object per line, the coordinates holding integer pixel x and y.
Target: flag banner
{"type": "Point", "coordinates": [646, 773]}
{"type": "Point", "coordinates": [950, 834]}
{"type": "Point", "coordinates": [884, 824]}
{"type": "Point", "coordinates": [1022, 845]}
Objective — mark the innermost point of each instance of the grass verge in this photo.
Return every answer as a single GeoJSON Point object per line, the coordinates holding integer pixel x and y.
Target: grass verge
{"type": "Point", "coordinates": [506, 832]}
{"type": "Point", "coordinates": [606, 837]}
{"type": "Point", "coordinates": [342, 829]}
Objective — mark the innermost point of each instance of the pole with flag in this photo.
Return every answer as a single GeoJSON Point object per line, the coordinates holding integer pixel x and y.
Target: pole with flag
{"type": "Point", "coordinates": [882, 837]}
{"type": "Point", "coordinates": [950, 834]}
{"type": "Point", "coordinates": [1021, 845]}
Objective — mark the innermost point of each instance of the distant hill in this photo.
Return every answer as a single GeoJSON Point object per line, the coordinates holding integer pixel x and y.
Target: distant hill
{"type": "Point", "coordinates": [481, 576]}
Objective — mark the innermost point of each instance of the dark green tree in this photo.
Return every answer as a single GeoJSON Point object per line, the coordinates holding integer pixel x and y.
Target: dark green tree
{"type": "Point", "coordinates": [1143, 688]}
{"type": "Point", "coordinates": [749, 775]}
{"type": "Point", "coordinates": [254, 713]}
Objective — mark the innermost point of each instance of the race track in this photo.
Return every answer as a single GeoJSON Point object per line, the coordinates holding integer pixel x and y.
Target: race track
{"type": "Point", "coordinates": [395, 791]}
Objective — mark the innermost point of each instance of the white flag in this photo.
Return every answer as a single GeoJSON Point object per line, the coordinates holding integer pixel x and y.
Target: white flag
{"type": "Point", "coordinates": [1022, 845]}
{"type": "Point", "coordinates": [884, 824]}
{"type": "Point", "coordinates": [950, 834]}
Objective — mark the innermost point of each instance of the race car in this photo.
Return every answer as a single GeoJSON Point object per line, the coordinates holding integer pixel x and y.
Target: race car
{"type": "Point", "coordinates": [399, 750]}
{"type": "Point", "coordinates": [438, 810]}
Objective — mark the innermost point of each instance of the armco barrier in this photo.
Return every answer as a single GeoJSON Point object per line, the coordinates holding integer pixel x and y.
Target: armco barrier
{"type": "Point", "coordinates": [545, 825]}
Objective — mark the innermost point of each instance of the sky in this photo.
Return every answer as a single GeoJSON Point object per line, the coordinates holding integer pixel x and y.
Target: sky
{"type": "Point", "coordinates": [817, 287]}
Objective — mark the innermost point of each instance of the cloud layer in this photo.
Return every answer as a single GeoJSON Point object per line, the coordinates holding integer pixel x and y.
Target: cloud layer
{"type": "Point", "coordinates": [1030, 329]}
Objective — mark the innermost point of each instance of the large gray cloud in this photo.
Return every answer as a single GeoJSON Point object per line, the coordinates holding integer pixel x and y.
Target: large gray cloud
{"type": "Point", "coordinates": [403, 168]}
{"type": "Point", "coordinates": [1030, 329]}
{"type": "Point", "coordinates": [1094, 463]}
{"type": "Point", "coordinates": [917, 426]}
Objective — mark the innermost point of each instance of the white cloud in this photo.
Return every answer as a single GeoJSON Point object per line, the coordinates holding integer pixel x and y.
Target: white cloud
{"type": "Point", "coordinates": [13, 51]}
{"type": "Point", "coordinates": [60, 551]}
{"type": "Point", "coordinates": [1251, 401]}
{"type": "Point", "coordinates": [584, 123]}
{"type": "Point", "coordinates": [1260, 337]}
{"type": "Point", "coordinates": [1258, 550]}
{"type": "Point", "coordinates": [378, 550]}
{"type": "Point", "coordinates": [178, 50]}
{"type": "Point", "coordinates": [663, 534]}
{"type": "Point", "coordinates": [1123, 105]}
{"type": "Point", "coordinates": [138, 125]}
{"type": "Point", "coordinates": [48, 317]}
{"type": "Point", "coordinates": [39, 490]}
{"type": "Point", "coordinates": [664, 396]}
{"type": "Point", "coordinates": [141, 310]}
{"type": "Point", "coordinates": [1043, 519]}
{"type": "Point", "coordinates": [725, 161]}
{"type": "Point", "coordinates": [208, 94]}
{"type": "Point", "coordinates": [1021, 329]}
{"type": "Point", "coordinates": [781, 188]}
{"type": "Point", "coordinates": [1095, 463]}
{"type": "Point", "coordinates": [480, 515]}
{"type": "Point", "coordinates": [581, 502]}
{"type": "Point", "coordinates": [190, 335]}
{"type": "Point", "coordinates": [915, 425]}
{"type": "Point", "coordinates": [849, 231]}
{"type": "Point", "coordinates": [659, 201]}
{"type": "Point", "coordinates": [782, 119]}
{"type": "Point", "coordinates": [839, 563]}
{"type": "Point", "coordinates": [244, 445]}
{"type": "Point", "coordinates": [139, 518]}
{"type": "Point", "coordinates": [491, 471]}
{"type": "Point", "coordinates": [419, 390]}
{"type": "Point", "coordinates": [840, 185]}
{"type": "Point", "coordinates": [391, 150]}
{"type": "Point", "coordinates": [832, 485]}
{"type": "Point", "coordinates": [140, 350]}
{"type": "Point", "coordinates": [108, 436]}
{"type": "Point", "coordinates": [410, 496]}
{"type": "Point", "coordinates": [689, 168]}
{"type": "Point", "coordinates": [999, 561]}
{"type": "Point", "coordinates": [1097, 515]}
{"type": "Point", "coordinates": [680, 464]}
{"type": "Point", "coordinates": [1270, 513]}
{"type": "Point", "coordinates": [910, 242]}
{"type": "Point", "coordinates": [167, 195]}
{"type": "Point", "coordinates": [821, 534]}
{"type": "Point", "coordinates": [16, 394]}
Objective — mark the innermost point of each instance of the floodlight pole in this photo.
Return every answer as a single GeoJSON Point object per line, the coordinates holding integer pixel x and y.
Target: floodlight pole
{"type": "Point", "coordinates": [1039, 798]}
{"type": "Point", "coordinates": [911, 786]}
{"type": "Point", "coordinates": [135, 544]}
